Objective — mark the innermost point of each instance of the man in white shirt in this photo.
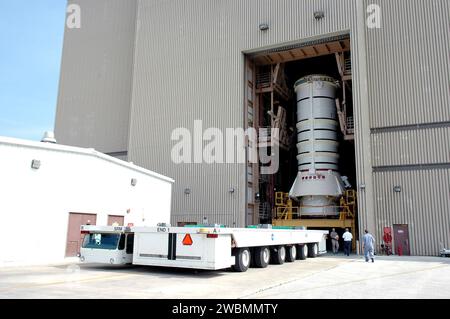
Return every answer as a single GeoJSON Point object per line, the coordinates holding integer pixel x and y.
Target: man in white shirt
{"type": "Point", "coordinates": [347, 236]}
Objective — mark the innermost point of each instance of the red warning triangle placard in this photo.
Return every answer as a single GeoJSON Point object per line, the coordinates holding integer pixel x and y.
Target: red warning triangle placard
{"type": "Point", "coordinates": [187, 240]}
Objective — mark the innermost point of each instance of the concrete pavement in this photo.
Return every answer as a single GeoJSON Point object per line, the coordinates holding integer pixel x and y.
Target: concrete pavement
{"type": "Point", "coordinates": [322, 277]}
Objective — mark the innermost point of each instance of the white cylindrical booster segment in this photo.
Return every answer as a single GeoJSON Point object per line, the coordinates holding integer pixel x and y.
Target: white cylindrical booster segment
{"type": "Point", "coordinates": [318, 182]}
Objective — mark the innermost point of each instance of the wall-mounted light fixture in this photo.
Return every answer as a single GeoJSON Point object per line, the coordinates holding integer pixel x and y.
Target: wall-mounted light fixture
{"type": "Point", "coordinates": [319, 15]}
{"type": "Point", "coordinates": [263, 27]}
{"type": "Point", "coordinates": [362, 186]}
{"type": "Point", "coordinates": [231, 190]}
{"type": "Point", "coordinates": [133, 182]}
{"type": "Point", "coordinates": [397, 189]}
{"type": "Point", "coordinates": [187, 191]}
{"type": "Point", "coordinates": [35, 164]}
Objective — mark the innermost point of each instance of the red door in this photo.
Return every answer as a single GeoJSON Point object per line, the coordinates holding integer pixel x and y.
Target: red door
{"type": "Point", "coordinates": [115, 219]}
{"type": "Point", "coordinates": [401, 240]}
{"type": "Point", "coordinates": [74, 236]}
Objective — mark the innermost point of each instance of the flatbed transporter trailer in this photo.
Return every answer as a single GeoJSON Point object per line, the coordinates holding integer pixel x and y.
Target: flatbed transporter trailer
{"type": "Point", "coordinates": [215, 247]}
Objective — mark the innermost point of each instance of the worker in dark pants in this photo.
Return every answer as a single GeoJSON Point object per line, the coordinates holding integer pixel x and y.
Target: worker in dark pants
{"type": "Point", "coordinates": [347, 236]}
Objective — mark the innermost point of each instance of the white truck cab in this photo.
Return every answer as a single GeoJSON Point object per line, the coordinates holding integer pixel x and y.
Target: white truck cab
{"type": "Point", "coordinates": [107, 245]}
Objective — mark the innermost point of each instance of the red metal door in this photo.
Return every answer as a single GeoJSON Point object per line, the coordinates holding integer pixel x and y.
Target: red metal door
{"type": "Point", "coordinates": [401, 240]}
{"type": "Point", "coordinates": [115, 219]}
{"type": "Point", "coordinates": [74, 236]}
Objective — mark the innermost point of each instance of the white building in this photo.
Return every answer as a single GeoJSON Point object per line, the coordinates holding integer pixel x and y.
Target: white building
{"type": "Point", "coordinates": [48, 190]}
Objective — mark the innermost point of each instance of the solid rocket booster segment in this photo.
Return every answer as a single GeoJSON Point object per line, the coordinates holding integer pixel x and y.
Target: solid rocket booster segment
{"type": "Point", "coordinates": [318, 183]}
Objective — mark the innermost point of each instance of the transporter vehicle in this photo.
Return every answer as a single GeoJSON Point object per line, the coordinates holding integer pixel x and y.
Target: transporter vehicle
{"type": "Point", "coordinates": [210, 247]}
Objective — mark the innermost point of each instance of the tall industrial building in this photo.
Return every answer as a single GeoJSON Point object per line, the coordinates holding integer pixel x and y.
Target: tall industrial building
{"type": "Point", "coordinates": [138, 69]}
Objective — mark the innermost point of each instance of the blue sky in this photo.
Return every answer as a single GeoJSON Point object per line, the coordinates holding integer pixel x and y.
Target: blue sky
{"type": "Point", "coordinates": [31, 39]}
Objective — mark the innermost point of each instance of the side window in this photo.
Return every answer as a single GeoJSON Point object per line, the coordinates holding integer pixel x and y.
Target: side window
{"type": "Point", "coordinates": [122, 242]}
{"type": "Point", "coordinates": [130, 243]}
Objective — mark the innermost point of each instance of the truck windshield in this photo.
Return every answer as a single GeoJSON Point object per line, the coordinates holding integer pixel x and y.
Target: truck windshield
{"type": "Point", "coordinates": [101, 241]}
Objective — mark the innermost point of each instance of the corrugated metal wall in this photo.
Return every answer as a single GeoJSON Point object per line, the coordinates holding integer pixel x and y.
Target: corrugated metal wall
{"type": "Point", "coordinates": [190, 65]}
{"type": "Point", "coordinates": [96, 77]}
{"type": "Point", "coordinates": [423, 204]}
{"type": "Point", "coordinates": [408, 62]}
{"type": "Point", "coordinates": [408, 65]}
{"type": "Point", "coordinates": [411, 147]}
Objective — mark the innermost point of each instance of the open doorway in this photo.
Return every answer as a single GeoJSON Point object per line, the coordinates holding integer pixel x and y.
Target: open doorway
{"type": "Point", "coordinates": [272, 103]}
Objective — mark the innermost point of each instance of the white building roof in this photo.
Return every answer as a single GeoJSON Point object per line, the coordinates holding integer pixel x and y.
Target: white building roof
{"type": "Point", "coordinates": [83, 151]}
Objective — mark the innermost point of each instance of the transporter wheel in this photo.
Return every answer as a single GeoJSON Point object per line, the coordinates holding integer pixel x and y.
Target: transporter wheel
{"type": "Point", "coordinates": [242, 259]}
{"type": "Point", "coordinates": [261, 257]}
{"type": "Point", "coordinates": [302, 252]}
{"type": "Point", "coordinates": [291, 253]}
{"type": "Point", "coordinates": [278, 255]}
{"type": "Point", "coordinates": [313, 250]}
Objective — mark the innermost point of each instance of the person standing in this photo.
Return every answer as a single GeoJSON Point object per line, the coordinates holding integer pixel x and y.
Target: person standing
{"type": "Point", "coordinates": [347, 236]}
{"type": "Point", "coordinates": [368, 246]}
{"type": "Point", "coordinates": [334, 241]}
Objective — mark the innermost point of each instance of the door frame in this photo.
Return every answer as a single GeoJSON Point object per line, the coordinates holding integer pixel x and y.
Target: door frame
{"type": "Point", "coordinates": [395, 228]}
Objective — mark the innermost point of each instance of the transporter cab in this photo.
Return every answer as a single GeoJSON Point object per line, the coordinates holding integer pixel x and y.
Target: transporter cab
{"type": "Point", "coordinates": [107, 245]}
{"type": "Point", "coordinates": [200, 247]}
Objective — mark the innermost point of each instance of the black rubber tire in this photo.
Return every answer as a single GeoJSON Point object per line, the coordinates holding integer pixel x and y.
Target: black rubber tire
{"type": "Point", "coordinates": [242, 259]}
{"type": "Point", "coordinates": [302, 251]}
{"type": "Point", "coordinates": [278, 255]}
{"type": "Point", "coordinates": [261, 257]}
{"type": "Point", "coordinates": [291, 253]}
{"type": "Point", "coordinates": [313, 250]}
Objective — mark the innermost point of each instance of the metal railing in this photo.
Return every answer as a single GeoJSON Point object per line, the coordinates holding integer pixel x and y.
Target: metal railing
{"type": "Point", "coordinates": [284, 208]}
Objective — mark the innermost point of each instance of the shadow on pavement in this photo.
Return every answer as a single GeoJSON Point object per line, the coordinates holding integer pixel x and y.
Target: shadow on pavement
{"type": "Point", "coordinates": [151, 270]}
